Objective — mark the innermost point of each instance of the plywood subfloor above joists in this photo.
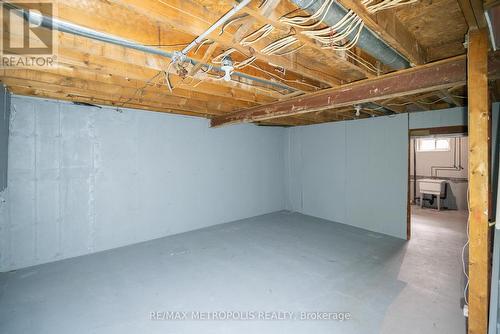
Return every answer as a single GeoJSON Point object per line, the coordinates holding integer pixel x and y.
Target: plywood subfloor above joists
{"type": "Point", "coordinates": [96, 72]}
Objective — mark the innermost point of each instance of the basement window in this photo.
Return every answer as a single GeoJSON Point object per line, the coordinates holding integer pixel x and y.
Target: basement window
{"type": "Point", "coordinates": [433, 144]}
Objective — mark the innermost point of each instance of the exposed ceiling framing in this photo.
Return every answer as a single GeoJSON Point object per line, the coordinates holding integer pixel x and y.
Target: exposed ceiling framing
{"type": "Point", "coordinates": [96, 72]}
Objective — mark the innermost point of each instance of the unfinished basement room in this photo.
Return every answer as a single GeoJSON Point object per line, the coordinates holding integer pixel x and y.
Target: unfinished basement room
{"type": "Point", "coordinates": [249, 166]}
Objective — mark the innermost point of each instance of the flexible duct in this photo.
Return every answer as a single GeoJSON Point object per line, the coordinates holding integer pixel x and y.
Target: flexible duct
{"type": "Point", "coordinates": [368, 40]}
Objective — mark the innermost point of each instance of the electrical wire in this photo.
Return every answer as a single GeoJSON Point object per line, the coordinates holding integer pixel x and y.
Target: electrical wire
{"type": "Point", "coordinates": [141, 89]}
{"type": "Point", "coordinates": [167, 45]}
{"type": "Point", "coordinates": [372, 7]}
{"type": "Point", "coordinates": [253, 64]}
{"type": "Point", "coordinates": [291, 51]}
{"type": "Point", "coordinates": [167, 77]}
{"type": "Point", "coordinates": [279, 45]}
{"type": "Point", "coordinates": [302, 21]}
{"type": "Point", "coordinates": [329, 37]}
{"type": "Point", "coordinates": [231, 21]}
{"type": "Point", "coordinates": [301, 8]}
{"type": "Point", "coordinates": [435, 101]}
{"type": "Point", "coordinates": [333, 37]}
{"type": "Point", "coordinates": [205, 41]}
{"type": "Point", "coordinates": [464, 269]}
{"type": "Point", "coordinates": [369, 66]}
{"type": "Point", "coordinates": [257, 35]}
{"type": "Point", "coordinates": [257, 67]}
{"type": "Point", "coordinates": [244, 63]}
{"type": "Point", "coordinates": [218, 59]}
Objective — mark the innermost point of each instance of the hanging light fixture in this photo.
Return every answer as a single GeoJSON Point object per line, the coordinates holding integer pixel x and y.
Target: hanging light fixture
{"type": "Point", "coordinates": [227, 67]}
{"type": "Point", "coordinates": [357, 107]}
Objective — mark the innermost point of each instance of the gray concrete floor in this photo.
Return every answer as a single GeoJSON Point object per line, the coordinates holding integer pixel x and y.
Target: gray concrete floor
{"type": "Point", "coordinates": [276, 262]}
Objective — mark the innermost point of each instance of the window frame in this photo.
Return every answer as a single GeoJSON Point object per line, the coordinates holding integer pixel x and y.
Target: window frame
{"type": "Point", "coordinates": [435, 149]}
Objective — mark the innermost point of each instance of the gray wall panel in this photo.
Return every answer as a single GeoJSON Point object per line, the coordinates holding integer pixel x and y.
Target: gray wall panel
{"type": "Point", "coordinates": [83, 179]}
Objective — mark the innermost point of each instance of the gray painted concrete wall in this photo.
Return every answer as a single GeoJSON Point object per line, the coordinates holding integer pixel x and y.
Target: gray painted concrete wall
{"type": "Point", "coordinates": [337, 168]}
{"type": "Point", "coordinates": [438, 118]}
{"type": "Point", "coordinates": [351, 172]}
{"type": "Point", "coordinates": [4, 135]}
{"type": "Point", "coordinates": [83, 179]}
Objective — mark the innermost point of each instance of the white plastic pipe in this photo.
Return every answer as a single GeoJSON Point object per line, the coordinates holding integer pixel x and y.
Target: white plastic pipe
{"type": "Point", "coordinates": [214, 26]}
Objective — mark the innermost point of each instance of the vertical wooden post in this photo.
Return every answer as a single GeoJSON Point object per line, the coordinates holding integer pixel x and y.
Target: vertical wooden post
{"type": "Point", "coordinates": [479, 183]}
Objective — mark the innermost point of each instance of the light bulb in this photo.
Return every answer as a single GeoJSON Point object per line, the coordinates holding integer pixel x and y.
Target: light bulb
{"type": "Point", "coordinates": [227, 67]}
{"type": "Point", "coordinates": [227, 75]}
{"type": "Point", "coordinates": [357, 107]}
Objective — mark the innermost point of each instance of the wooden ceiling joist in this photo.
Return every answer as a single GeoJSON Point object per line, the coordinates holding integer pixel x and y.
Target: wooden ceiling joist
{"type": "Point", "coordinates": [153, 28]}
{"type": "Point", "coordinates": [102, 73]}
{"type": "Point", "coordinates": [474, 13]}
{"type": "Point", "coordinates": [195, 19]}
{"type": "Point", "coordinates": [330, 54]}
{"type": "Point", "coordinates": [386, 25]}
{"type": "Point", "coordinates": [425, 78]}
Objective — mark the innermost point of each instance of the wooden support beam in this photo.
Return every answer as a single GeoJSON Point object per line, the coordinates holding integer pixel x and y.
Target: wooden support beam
{"type": "Point", "coordinates": [479, 181]}
{"type": "Point", "coordinates": [425, 78]}
{"type": "Point", "coordinates": [474, 13]}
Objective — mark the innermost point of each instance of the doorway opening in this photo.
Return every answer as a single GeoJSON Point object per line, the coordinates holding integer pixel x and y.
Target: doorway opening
{"type": "Point", "coordinates": [437, 172]}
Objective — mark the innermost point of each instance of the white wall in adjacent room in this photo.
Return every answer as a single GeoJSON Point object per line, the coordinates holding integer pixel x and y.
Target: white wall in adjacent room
{"type": "Point", "coordinates": [83, 179]}
{"type": "Point", "coordinates": [456, 179]}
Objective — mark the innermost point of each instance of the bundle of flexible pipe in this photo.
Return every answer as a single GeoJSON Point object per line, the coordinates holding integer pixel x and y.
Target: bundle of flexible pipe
{"type": "Point", "coordinates": [333, 37]}
{"type": "Point", "coordinates": [372, 7]}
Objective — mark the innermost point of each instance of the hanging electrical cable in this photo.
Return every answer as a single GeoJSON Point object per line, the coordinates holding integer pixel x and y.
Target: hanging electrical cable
{"type": "Point", "coordinates": [231, 21]}
{"type": "Point", "coordinates": [245, 63]}
{"type": "Point", "coordinates": [372, 6]}
{"type": "Point", "coordinates": [201, 44]}
{"type": "Point", "coordinates": [302, 21]}
{"type": "Point", "coordinates": [218, 59]}
{"type": "Point", "coordinates": [290, 51]}
{"type": "Point", "coordinates": [334, 37]}
{"type": "Point", "coordinates": [257, 35]}
{"type": "Point", "coordinates": [366, 64]}
{"type": "Point", "coordinates": [279, 45]}
{"type": "Point", "coordinates": [342, 36]}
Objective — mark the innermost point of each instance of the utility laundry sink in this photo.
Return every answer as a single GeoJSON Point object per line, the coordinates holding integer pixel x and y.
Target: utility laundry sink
{"type": "Point", "coordinates": [435, 187]}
